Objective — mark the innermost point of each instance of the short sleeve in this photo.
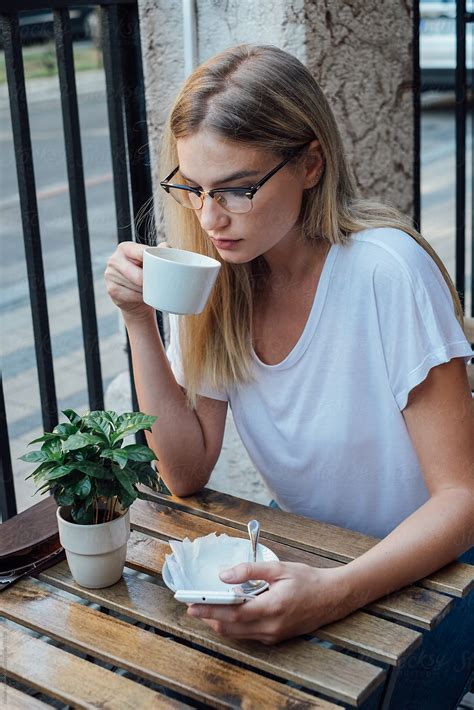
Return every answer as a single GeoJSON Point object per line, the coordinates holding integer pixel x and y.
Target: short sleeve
{"type": "Point", "coordinates": [417, 322]}
{"type": "Point", "coordinates": [173, 353]}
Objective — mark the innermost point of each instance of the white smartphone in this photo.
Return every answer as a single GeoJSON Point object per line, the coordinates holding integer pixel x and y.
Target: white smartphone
{"type": "Point", "coordinates": [203, 597]}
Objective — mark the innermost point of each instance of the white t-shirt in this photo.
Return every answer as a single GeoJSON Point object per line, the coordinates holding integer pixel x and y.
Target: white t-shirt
{"type": "Point", "coordinates": [324, 427]}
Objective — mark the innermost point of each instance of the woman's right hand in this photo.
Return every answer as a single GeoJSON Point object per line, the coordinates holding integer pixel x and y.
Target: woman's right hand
{"type": "Point", "coordinates": [124, 279]}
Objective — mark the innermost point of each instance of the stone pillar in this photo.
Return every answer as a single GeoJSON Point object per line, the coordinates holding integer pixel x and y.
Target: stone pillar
{"type": "Point", "coordinates": [358, 50]}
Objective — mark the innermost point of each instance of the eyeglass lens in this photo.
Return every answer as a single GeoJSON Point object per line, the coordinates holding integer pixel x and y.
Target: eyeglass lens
{"type": "Point", "coordinates": [231, 201]}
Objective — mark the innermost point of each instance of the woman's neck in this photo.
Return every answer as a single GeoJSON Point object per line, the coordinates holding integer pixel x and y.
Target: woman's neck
{"type": "Point", "coordinates": [293, 267]}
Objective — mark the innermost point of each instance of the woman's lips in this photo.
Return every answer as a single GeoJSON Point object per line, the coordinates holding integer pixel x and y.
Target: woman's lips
{"type": "Point", "coordinates": [225, 243]}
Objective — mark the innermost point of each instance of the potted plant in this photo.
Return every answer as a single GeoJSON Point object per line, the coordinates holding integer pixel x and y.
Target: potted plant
{"type": "Point", "coordinates": [93, 479]}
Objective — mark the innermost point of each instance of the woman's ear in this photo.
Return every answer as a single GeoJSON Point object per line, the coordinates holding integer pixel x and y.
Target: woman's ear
{"type": "Point", "coordinates": [313, 164]}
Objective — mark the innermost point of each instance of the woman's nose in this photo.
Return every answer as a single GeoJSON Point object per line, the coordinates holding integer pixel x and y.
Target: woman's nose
{"type": "Point", "coordinates": [212, 215]}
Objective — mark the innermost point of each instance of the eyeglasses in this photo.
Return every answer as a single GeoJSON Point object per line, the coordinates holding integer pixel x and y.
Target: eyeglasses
{"type": "Point", "coordinates": [233, 199]}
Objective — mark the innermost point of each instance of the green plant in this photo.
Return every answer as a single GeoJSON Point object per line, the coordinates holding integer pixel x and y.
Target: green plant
{"type": "Point", "coordinates": [84, 464]}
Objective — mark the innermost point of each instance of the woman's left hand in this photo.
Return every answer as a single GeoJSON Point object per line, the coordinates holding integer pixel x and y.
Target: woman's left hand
{"type": "Point", "coordinates": [300, 600]}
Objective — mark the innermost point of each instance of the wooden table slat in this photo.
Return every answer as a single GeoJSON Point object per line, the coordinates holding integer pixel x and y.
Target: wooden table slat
{"type": "Point", "coordinates": [333, 673]}
{"type": "Point", "coordinates": [412, 605]}
{"type": "Point", "coordinates": [161, 660]}
{"type": "Point", "coordinates": [324, 539]}
{"type": "Point", "coordinates": [70, 679]}
{"type": "Point", "coordinates": [360, 632]}
{"type": "Point", "coordinates": [15, 699]}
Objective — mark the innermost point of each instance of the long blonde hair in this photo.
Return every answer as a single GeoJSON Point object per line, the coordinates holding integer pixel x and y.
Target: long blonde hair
{"type": "Point", "coordinates": [260, 96]}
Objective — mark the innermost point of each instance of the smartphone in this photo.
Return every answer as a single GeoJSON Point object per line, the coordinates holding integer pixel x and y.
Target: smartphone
{"type": "Point", "coordinates": [195, 596]}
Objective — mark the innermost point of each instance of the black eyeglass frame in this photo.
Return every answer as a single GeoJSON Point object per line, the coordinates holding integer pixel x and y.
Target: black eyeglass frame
{"type": "Point", "coordinates": [248, 191]}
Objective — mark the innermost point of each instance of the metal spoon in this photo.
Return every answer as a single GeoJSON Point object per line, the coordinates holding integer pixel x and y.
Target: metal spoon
{"type": "Point", "coordinates": [253, 526]}
{"type": "Point", "coordinates": [253, 586]}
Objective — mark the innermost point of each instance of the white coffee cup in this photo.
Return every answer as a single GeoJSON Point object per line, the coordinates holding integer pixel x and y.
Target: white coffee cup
{"type": "Point", "coordinates": [177, 281]}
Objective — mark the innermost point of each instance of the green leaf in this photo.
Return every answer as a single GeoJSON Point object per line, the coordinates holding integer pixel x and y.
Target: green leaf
{"type": "Point", "coordinates": [145, 473]}
{"type": "Point", "coordinates": [73, 417]}
{"type": "Point", "coordinates": [83, 487]}
{"type": "Point", "coordinates": [124, 480]}
{"type": "Point", "coordinates": [64, 430]}
{"type": "Point", "coordinates": [138, 452]}
{"type": "Point", "coordinates": [117, 455]}
{"type": "Point", "coordinates": [112, 416]}
{"type": "Point", "coordinates": [82, 515]}
{"type": "Point", "coordinates": [42, 489]}
{"type": "Point", "coordinates": [97, 422]}
{"type": "Point", "coordinates": [89, 500]}
{"type": "Point", "coordinates": [126, 499]}
{"type": "Point", "coordinates": [42, 468]}
{"type": "Point", "coordinates": [60, 471]}
{"type": "Point", "coordinates": [107, 488]}
{"type": "Point", "coordinates": [46, 436]}
{"type": "Point", "coordinates": [66, 497]}
{"type": "Point", "coordinates": [96, 470]}
{"type": "Point", "coordinates": [130, 423]}
{"type": "Point", "coordinates": [79, 441]}
{"type": "Point", "coordinates": [34, 457]}
{"type": "Point", "coordinates": [54, 450]}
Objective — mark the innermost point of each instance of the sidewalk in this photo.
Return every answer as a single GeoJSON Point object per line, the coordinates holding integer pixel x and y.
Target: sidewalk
{"type": "Point", "coordinates": [88, 83]}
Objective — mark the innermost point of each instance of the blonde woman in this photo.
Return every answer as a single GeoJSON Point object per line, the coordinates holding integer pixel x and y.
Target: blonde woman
{"type": "Point", "coordinates": [334, 332]}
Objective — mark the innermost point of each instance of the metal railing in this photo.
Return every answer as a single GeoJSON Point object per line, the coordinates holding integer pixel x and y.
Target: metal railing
{"type": "Point", "coordinates": [120, 37]}
{"type": "Point", "coordinates": [463, 19]}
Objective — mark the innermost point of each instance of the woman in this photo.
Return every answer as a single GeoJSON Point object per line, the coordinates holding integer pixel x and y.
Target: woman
{"type": "Point", "coordinates": [333, 331]}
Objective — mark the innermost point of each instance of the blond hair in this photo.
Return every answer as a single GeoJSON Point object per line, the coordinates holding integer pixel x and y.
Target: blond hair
{"type": "Point", "coordinates": [263, 97]}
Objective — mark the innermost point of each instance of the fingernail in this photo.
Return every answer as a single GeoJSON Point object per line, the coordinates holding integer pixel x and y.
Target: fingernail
{"type": "Point", "coordinates": [227, 575]}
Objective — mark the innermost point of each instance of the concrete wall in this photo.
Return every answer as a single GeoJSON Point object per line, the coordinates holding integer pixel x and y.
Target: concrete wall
{"type": "Point", "coordinates": [359, 51]}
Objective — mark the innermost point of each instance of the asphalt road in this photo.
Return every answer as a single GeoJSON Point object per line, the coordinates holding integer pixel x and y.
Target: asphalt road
{"type": "Point", "coordinates": [53, 196]}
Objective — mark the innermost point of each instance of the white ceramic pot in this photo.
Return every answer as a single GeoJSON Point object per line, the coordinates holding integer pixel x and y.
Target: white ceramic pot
{"type": "Point", "coordinates": [95, 553]}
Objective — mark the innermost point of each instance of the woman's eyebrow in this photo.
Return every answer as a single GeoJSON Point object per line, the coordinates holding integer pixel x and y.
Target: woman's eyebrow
{"type": "Point", "coordinates": [235, 176]}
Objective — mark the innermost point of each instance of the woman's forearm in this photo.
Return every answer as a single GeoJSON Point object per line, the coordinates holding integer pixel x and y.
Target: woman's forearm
{"type": "Point", "coordinates": [176, 436]}
{"type": "Point", "coordinates": [434, 535]}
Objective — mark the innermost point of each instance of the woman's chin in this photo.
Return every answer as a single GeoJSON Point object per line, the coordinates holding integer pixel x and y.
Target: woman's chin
{"type": "Point", "coordinates": [234, 257]}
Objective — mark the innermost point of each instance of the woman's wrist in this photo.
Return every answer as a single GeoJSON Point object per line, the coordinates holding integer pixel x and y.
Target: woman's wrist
{"type": "Point", "coordinates": [348, 597]}
{"type": "Point", "coordinates": [133, 319]}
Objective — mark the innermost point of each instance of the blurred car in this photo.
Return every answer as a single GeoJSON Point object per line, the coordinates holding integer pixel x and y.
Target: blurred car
{"type": "Point", "coordinates": [38, 25]}
{"type": "Point", "coordinates": [438, 44]}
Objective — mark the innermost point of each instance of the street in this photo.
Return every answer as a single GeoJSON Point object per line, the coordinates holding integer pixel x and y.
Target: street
{"type": "Point", "coordinates": [17, 353]}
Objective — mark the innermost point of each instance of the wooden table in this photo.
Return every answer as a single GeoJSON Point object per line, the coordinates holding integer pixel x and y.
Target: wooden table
{"type": "Point", "coordinates": [138, 627]}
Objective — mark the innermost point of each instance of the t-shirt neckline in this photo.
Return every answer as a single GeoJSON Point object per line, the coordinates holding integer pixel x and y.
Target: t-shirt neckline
{"type": "Point", "coordinates": [314, 315]}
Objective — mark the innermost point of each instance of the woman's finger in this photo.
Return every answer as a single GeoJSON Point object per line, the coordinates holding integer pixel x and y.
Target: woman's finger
{"type": "Point", "coordinates": [125, 271]}
{"type": "Point", "coordinates": [132, 250]}
{"type": "Point", "coordinates": [269, 571]}
{"type": "Point", "coordinates": [250, 611]}
{"type": "Point", "coordinates": [125, 285]}
{"type": "Point", "coordinates": [240, 631]}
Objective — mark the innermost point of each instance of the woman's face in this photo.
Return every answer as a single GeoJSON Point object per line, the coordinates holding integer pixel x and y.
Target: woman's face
{"type": "Point", "coordinates": [209, 161]}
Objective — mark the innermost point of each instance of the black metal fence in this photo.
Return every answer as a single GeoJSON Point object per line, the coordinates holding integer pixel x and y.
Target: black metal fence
{"type": "Point", "coordinates": [120, 39]}
{"type": "Point", "coordinates": [464, 19]}
{"type": "Point", "coordinates": [131, 176]}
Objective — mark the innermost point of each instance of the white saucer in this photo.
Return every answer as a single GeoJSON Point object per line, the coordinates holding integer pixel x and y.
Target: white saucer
{"type": "Point", "coordinates": [264, 554]}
